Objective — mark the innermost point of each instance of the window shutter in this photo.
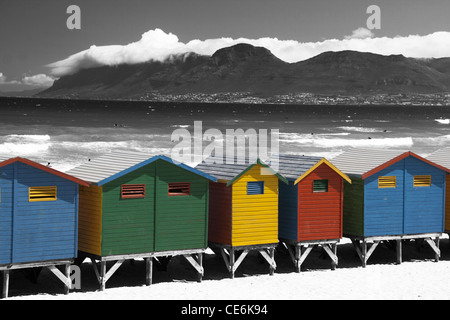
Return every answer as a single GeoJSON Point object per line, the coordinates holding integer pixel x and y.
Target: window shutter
{"type": "Point", "coordinates": [320, 186]}
{"type": "Point", "coordinates": [255, 187]}
{"type": "Point", "coordinates": [387, 182]}
{"type": "Point", "coordinates": [179, 189]}
{"type": "Point", "coordinates": [36, 194]}
{"type": "Point", "coordinates": [132, 191]}
{"type": "Point", "coordinates": [422, 181]}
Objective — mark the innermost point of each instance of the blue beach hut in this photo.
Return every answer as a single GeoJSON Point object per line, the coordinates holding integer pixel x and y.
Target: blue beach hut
{"type": "Point", "coordinates": [38, 218]}
{"type": "Point", "coordinates": [394, 195]}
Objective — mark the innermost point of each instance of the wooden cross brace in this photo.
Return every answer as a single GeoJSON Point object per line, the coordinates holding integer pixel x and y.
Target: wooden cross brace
{"type": "Point", "coordinates": [232, 264]}
{"type": "Point", "coordinates": [64, 277]}
{"type": "Point", "coordinates": [300, 252]}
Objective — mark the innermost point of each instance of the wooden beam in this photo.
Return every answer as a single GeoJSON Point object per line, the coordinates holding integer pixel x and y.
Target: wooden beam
{"type": "Point", "coordinates": [64, 277]}
{"type": "Point", "coordinates": [435, 246]}
{"type": "Point", "coordinates": [149, 270]}
{"type": "Point", "coordinates": [5, 283]}
{"type": "Point", "coordinates": [332, 254]}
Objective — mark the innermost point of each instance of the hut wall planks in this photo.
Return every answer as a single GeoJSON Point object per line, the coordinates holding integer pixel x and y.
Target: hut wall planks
{"type": "Point", "coordinates": [320, 213]}
{"type": "Point", "coordinates": [255, 217]}
{"type": "Point", "coordinates": [90, 220]}
{"type": "Point", "coordinates": [220, 199]}
{"type": "Point", "coordinates": [181, 222]}
{"type": "Point", "coordinates": [40, 230]}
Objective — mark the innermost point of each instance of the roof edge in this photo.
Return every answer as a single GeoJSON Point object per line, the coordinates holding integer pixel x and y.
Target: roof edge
{"type": "Point", "coordinates": [258, 162]}
{"type": "Point", "coordinates": [328, 163]}
{"type": "Point", "coordinates": [153, 159]}
{"type": "Point", "coordinates": [45, 168]}
{"type": "Point", "coordinates": [401, 157]}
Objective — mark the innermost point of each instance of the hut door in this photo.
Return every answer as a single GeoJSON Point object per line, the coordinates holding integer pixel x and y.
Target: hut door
{"type": "Point", "coordinates": [6, 214]}
{"type": "Point", "coordinates": [424, 201]}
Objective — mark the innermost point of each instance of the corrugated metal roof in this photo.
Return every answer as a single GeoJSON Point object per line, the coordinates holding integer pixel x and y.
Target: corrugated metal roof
{"type": "Point", "coordinates": [224, 168]}
{"type": "Point", "coordinates": [360, 161]}
{"type": "Point", "coordinates": [441, 157]}
{"type": "Point", "coordinates": [113, 165]}
{"type": "Point", "coordinates": [292, 166]}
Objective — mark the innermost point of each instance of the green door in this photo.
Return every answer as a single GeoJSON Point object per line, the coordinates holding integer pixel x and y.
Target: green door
{"type": "Point", "coordinates": [181, 209]}
{"type": "Point", "coordinates": [128, 214]}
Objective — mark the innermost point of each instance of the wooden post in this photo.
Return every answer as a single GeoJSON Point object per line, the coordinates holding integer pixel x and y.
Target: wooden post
{"type": "Point", "coordinates": [68, 284]}
{"type": "Point", "coordinates": [437, 253]}
{"type": "Point", "coordinates": [334, 261]}
{"type": "Point", "coordinates": [364, 253]}
{"type": "Point", "coordinates": [102, 275]}
{"type": "Point", "coordinates": [272, 257]}
{"type": "Point", "coordinates": [149, 270]}
{"type": "Point", "coordinates": [399, 251]}
{"type": "Point", "coordinates": [5, 283]}
{"type": "Point", "coordinates": [231, 253]}
{"type": "Point", "coordinates": [200, 262]}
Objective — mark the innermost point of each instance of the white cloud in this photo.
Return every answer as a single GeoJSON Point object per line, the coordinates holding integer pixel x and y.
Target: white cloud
{"type": "Point", "coordinates": [38, 80]}
{"type": "Point", "coordinates": [3, 80]}
{"type": "Point", "coordinates": [158, 45]}
{"type": "Point", "coordinates": [361, 33]}
{"type": "Point", "coordinates": [26, 83]}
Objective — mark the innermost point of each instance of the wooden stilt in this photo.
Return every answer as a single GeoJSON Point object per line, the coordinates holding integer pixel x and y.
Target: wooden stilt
{"type": "Point", "coordinates": [149, 271]}
{"type": "Point", "coordinates": [5, 283]}
{"type": "Point", "coordinates": [360, 244]}
{"type": "Point", "coordinates": [299, 251]}
{"type": "Point", "coordinates": [102, 279]}
{"type": "Point", "coordinates": [228, 254]}
{"type": "Point", "coordinates": [399, 251]}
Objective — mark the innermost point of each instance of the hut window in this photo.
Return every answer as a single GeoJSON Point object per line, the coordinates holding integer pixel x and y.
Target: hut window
{"type": "Point", "coordinates": [255, 187]}
{"type": "Point", "coordinates": [179, 189]}
{"type": "Point", "coordinates": [387, 182]}
{"type": "Point", "coordinates": [422, 181]}
{"type": "Point", "coordinates": [320, 186]}
{"type": "Point", "coordinates": [132, 191]}
{"type": "Point", "coordinates": [36, 194]}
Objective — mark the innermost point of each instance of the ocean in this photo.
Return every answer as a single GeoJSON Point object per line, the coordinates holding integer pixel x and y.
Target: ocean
{"type": "Point", "coordinates": [66, 133]}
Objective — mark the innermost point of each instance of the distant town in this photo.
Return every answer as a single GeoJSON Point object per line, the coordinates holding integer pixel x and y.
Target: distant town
{"type": "Point", "coordinates": [416, 99]}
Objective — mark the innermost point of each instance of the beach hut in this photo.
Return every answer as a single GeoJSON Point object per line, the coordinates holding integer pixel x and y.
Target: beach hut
{"type": "Point", "coordinates": [394, 195]}
{"type": "Point", "coordinates": [38, 219]}
{"type": "Point", "coordinates": [141, 206]}
{"type": "Point", "coordinates": [243, 210]}
{"type": "Point", "coordinates": [442, 157]}
{"type": "Point", "coordinates": [310, 206]}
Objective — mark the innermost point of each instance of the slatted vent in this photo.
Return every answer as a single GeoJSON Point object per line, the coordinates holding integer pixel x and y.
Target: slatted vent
{"type": "Point", "coordinates": [42, 194]}
{"type": "Point", "coordinates": [422, 181]}
{"type": "Point", "coordinates": [320, 186]}
{"type": "Point", "coordinates": [132, 191]}
{"type": "Point", "coordinates": [179, 189]}
{"type": "Point", "coordinates": [255, 187]}
{"type": "Point", "coordinates": [387, 182]}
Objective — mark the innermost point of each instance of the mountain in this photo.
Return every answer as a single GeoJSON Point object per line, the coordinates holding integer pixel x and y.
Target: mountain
{"type": "Point", "coordinates": [255, 70]}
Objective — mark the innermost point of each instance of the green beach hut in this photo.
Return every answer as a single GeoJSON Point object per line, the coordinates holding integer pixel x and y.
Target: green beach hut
{"type": "Point", "coordinates": [141, 206]}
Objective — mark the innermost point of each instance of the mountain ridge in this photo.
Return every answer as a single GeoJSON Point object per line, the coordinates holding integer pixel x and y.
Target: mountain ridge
{"type": "Point", "coordinates": [246, 68]}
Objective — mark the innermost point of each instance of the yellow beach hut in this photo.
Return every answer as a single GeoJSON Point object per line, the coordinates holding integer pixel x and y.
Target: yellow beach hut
{"type": "Point", "coordinates": [243, 210]}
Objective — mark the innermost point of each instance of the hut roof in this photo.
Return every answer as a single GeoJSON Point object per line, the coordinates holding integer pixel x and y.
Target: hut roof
{"type": "Point", "coordinates": [44, 168]}
{"type": "Point", "coordinates": [441, 157]}
{"type": "Point", "coordinates": [366, 162]}
{"type": "Point", "coordinates": [296, 167]}
{"type": "Point", "coordinates": [230, 169]}
{"type": "Point", "coordinates": [116, 164]}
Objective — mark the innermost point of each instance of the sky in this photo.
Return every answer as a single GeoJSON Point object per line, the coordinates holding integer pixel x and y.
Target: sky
{"type": "Point", "coordinates": [36, 46]}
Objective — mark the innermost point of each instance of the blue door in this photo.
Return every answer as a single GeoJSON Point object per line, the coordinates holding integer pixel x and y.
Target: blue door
{"type": "Point", "coordinates": [6, 213]}
{"type": "Point", "coordinates": [424, 197]}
